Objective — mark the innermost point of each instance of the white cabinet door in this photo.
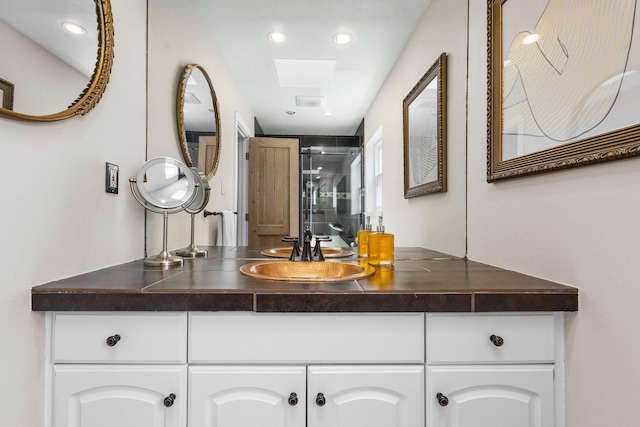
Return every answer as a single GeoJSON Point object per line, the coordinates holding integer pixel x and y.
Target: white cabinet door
{"type": "Point", "coordinates": [367, 396]}
{"type": "Point", "coordinates": [245, 396]}
{"type": "Point", "coordinates": [490, 396]}
{"type": "Point", "coordinates": [119, 395]}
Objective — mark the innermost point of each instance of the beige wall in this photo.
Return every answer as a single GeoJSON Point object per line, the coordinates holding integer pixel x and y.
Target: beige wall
{"type": "Point", "coordinates": [175, 40]}
{"type": "Point", "coordinates": [436, 221]}
{"type": "Point", "coordinates": [56, 219]}
{"type": "Point", "coordinates": [59, 222]}
{"type": "Point", "coordinates": [574, 227]}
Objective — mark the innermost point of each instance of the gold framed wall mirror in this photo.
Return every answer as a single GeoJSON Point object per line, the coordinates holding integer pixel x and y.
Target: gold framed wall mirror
{"type": "Point", "coordinates": [198, 120]}
{"type": "Point", "coordinates": [41, 55]}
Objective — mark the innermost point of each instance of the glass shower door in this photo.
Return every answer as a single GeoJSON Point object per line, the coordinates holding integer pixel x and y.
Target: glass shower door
{"type": "Point", "coordinates": [331, 202]}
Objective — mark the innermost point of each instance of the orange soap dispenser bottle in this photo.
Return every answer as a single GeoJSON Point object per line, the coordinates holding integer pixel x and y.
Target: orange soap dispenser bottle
{"type": "Point", "coordinates": [363, 239]}
{"type": "Point", "coordinates": [381, 249]}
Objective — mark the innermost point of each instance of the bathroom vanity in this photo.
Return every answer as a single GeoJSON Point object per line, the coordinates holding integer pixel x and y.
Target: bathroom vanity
{"type": "Point", "coordinates": [437, 341]}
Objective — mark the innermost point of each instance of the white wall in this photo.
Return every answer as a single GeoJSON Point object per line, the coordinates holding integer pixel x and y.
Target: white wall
{"type": "Point", "coordinates": [56, 219]}
{"type": "Point", "coordinates": [577, 227]}
{"type": "Point", "coordinates": [176, 38]}
{"type": "Point", "coordinates": [436, 221]}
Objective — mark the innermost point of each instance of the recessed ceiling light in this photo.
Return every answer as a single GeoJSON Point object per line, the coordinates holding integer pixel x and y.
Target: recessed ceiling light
{"type": "Point", "coordinates": [277, 37]}
{"type": "Point", "coordinates": [73, 28]}
{"type": "Point", "coordinates": [328, 113]}
{"type": "Point", "coordinates": [342, 38]}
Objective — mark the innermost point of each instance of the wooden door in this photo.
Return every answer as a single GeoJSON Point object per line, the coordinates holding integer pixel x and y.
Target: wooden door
{"type": "Point", "coordinates": [365, 396]}
{"type": "Point", "coordinates": [207, 150]}
{"type": "Point", "coordinates": [120, 395]}
{"type": "Point", "coordinates": [230, 396]}
{"type": "Point", "coordinates": [273, 190]}
{"type": "Point", "coordinates": [490, 396]}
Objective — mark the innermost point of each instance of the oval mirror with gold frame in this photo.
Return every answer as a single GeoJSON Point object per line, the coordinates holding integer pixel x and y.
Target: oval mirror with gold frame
{"type": "Point", "coordinates": [198, 120]}
{"type": "Point", "coordinates": [90, 96]}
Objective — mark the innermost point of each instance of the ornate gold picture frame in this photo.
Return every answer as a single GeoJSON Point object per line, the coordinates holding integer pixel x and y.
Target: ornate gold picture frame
{"type": "Point", "coordinates": [425, 133]}
{"type": "Point", "coordinates": [562, 91]}
{"type": "Point", "coordinates": [6, 94]}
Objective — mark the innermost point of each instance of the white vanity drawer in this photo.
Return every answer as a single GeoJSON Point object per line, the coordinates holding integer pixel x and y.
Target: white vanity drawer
{"type": "Point", "coordinates": [306, 338]}
{"type": "Point", "coordinates": [139, 337]}
{"type": "Point", "coordinates": [467, 338]}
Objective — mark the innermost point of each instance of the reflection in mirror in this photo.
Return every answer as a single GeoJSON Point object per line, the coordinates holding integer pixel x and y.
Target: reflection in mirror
{"type": "Point", "coordinates": [331, 199]}
{"type": "Point", "coordinates": [198, 120]}
{"type": "Point", "coordinates": [39, 56]}
{"type": "Point", "coordinates": [164, 185]}
{"type": "Point", "coordinates": [199, 203]}
{"type": "Point", "coordinates": [424, 113]}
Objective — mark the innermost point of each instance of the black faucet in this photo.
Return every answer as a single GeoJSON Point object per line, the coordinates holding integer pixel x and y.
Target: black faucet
{"type": "Point", "coordinates": [306, 246]}
{"type": "Point", "coordinates": [307, 254]}
{"type": "Point", "coordinates": [295, 253]}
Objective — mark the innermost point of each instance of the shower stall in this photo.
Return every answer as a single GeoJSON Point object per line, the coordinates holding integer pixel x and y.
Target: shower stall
{"type": "Point", "coordinates": [332, 193]}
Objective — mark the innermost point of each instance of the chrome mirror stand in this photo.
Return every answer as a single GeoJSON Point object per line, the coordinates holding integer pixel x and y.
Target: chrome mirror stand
{"type": "Point", "coordinates": [192, 251]}
{"type": "Point", "coordinates": [164, 259]}
{"type": "Point", "coordinates": [200, 202]}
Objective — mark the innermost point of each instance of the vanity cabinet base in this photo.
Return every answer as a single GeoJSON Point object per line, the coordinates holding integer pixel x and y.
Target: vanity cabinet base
{"type": "Point", "coordinates": [218, 369]}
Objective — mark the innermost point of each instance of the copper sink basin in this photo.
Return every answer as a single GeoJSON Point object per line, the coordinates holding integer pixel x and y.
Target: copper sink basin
{"type": "Point", "coordinates": [306, 271]}
{"type": "Point", "coordinates": [327, 252]}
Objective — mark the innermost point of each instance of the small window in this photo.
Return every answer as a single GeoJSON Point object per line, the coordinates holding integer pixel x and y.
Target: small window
{"type": "Point", "coordinates": [373, 174]}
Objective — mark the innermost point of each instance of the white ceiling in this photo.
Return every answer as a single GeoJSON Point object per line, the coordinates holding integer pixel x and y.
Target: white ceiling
{"type": "Point", "coordinates": [342, 79]}
{"type": "Point", "coordinates": [308, 74]}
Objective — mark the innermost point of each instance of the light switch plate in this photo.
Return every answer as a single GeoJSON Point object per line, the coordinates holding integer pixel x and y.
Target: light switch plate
{"type": "Point", "coordinates": [111, 178]}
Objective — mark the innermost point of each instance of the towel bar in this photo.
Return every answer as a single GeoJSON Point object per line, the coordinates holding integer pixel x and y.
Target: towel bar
{"type": "Point", "coordinates": [207, 213]}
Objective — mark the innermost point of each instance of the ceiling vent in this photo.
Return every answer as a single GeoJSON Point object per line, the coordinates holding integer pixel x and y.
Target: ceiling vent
{"type": "Point", "coordinates": [310, 101]}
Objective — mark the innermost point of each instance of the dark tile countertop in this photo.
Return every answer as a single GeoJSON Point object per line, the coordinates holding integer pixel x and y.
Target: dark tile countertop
{"type": "Point", "coordinates": [421, 280]}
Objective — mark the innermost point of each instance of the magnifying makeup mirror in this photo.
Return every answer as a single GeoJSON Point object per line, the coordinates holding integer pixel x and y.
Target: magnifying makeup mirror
{"type": "Point", "coordinates": [198, 204]}
{"type": "Point", "coordinates": [164, 185]}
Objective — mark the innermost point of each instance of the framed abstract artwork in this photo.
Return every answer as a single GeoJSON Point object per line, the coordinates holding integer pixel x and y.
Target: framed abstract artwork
{"type": "Point", "coordinates": [563, 85]}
